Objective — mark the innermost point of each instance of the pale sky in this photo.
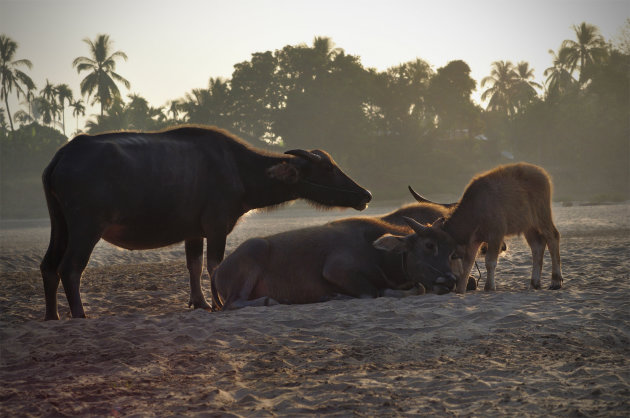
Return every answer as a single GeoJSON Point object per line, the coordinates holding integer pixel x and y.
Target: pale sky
{"type": "Point", "coordinates": [177, 45]}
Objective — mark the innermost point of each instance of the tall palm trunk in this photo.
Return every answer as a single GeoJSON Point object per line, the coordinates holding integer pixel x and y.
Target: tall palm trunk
{"type": "Point", "coordinates": [63, 119]}
{"type": "Point", "coordinates": [6, 102]}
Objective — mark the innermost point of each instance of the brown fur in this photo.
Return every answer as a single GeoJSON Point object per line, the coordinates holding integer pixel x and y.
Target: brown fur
{"type": "Point", "coordinates": [508, 200]}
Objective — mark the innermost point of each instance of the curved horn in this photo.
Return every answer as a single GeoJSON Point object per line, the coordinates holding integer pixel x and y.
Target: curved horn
{"type": "Point", "coordinates": [421, 199]}
{"type": "Point", "coordinates": [415, 225]}
{"type": "Point", "coordinates": [304, 154]}
{"type": "Point", "coordinates": [417, 196]}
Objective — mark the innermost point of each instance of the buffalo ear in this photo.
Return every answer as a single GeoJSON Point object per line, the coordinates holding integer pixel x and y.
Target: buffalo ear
{"type": "Point", "coordinates": [392, 243]}
{"type": "Point", "coordinates": [285, 172]}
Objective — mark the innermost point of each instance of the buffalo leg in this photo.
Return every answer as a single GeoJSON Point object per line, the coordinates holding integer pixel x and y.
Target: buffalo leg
{"type": "Point", "coordinates": [553, 242]}
{"type": "Point", "coordinates": [236, 278]}
{"type": "Point", "coordinates": [537, 244]}
{"type": "Point", "coordinates": [467, 265]}
{"type": "Point", "coordinates": [492, 255]}
{"type": "Point", "coordinates": [194, 262]}
{"type": "Point", "coordinates": [81, 242]}
{"type": "Point", "coordinates": [50, 264]}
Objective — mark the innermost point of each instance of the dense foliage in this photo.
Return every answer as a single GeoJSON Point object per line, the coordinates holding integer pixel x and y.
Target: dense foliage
{"type": "Point", "coordinates": [23, 156]}
{"type": "Point", "coordinates": [410, 124]}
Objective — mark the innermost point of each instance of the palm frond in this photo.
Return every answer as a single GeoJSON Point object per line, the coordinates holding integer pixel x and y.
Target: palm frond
{"type": "Point", "coordinates": [25, 62]}
{"type": "Point", "coordinates": [120, 79]}
{"type": "Point", "coordinates": [82, 61]}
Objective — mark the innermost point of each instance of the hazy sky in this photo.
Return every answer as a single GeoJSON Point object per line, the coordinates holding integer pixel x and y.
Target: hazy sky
{"type": "Point", "coordinates": [175, 46]}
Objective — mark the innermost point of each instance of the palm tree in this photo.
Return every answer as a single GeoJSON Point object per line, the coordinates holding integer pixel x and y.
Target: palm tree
{"type": "Point", "coordinates": [524, 86]}
{"type": "Point", "coordinates": [3, 122]}
{"type": "Point", "coordinates": [174, 106]}
{"type": "Point", "coordinates": [50, 109]}
{"type": "Point", "coordinates": [143, 116]}
{"type": "Point", "coordinates": [30, 96]}
{"type": "Point", "coordinates": [157, 116]}
{"type": "Point", "coordinates": [210, 106]}
{"type": "Point", "coordinates": [101, 81]}
{"type": "Point", "coordinates": [589, 49]}
{"type": "Point", "coordinates": [22, 117]}
{"type": "Point", "coordinates": [63, 93]}
{"type": "Point", "coordinates": [559, 79]}
{"type": "Point", "coordinates": [78, 109]}
{"type": "Point", "coordinates": [502, 78]}
{"type": "Point", "coordinates": [10, 76]}
{"type": "Point", "coordinates": [115, 118]}
{"type": "Point", "coordinates": [196, 104]}
{"type": "Point", "coordinates": [44, 109]}
{"type": "Point", "coordinates": [324, 52]}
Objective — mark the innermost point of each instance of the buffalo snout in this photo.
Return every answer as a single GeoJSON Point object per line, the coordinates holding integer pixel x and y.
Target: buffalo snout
{"type": "Point", "coordinates": [367, 197]}
{"type": "Point", "coordinates": [444, 283]}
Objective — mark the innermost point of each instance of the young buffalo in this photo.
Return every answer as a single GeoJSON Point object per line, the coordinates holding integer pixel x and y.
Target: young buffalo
{"type": "Point", "coordinates": [508, 200]}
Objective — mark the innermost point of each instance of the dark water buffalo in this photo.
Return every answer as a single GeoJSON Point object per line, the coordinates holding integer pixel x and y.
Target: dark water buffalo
{"type": "Point", "coordinates": [319, 263]}
{"type": "Point", "coordinates": [149, 190]}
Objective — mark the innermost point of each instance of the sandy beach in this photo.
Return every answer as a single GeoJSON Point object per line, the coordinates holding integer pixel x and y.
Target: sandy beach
{"type": "Point", "coordinates": [142, 352]}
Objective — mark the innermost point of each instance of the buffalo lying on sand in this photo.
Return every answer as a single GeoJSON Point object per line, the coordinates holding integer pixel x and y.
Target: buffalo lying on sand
{"type": "Point", "coordinates": [320, 263]}
{"type": "Point", "coordinates": [148, 190]}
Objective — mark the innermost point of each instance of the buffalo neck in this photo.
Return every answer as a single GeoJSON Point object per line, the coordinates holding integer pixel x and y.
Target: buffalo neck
{"type": "Point", "coordinates": [260, 190]}
{"type": "Point", "coordinates": [460, 224]}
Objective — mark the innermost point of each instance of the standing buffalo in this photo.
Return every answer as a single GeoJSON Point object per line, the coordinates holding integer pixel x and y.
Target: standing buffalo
{"type": "Point", "coordinates": [508, 200]}
{"type": "Point", "coordinates": [319, 263]}
{"type": "Point", "coordinates": [149, 190]}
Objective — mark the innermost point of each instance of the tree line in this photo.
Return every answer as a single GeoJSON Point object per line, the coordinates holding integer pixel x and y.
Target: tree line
{"type": "Point", "coordinates": [409, 123]}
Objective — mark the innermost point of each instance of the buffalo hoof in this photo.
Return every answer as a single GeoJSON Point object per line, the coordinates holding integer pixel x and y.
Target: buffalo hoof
{"type": "Point", "coordinates": [472, 283]}
{"type": "Point", "coordinates": [555, 286]}
{"type": "Point", "coordinates": [201, 305]}
{"type": "Point", "coordinates": [420, 289]}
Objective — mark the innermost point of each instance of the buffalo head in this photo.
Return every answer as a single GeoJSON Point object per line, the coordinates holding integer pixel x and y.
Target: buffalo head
{"type": "Point", "coordinates": [429, 255]}
{"type": "Point", "coordinates": [316, 177]}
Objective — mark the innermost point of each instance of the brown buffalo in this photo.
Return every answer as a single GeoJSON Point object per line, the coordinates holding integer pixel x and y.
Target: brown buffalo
{"type": "Point", "coordinates": [323, 262]}
{"type": "Point", "coordinates": [508, 200]}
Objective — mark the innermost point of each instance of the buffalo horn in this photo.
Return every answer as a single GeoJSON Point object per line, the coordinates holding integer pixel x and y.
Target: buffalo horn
{"type": "Point", "coordinates": [417, 196]}
{"type": "Point", "coordinates": [415, 225]}
{"type": "Point", "coordinates": [422, 199]}
{"type": "Point", "coordinates": [304, 154]}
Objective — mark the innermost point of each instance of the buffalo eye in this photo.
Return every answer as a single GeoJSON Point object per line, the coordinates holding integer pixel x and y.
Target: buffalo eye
{"type": "Point", "coordinates": [455, 256]}
{"type": "Point", "coordinates": [429, 246]}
